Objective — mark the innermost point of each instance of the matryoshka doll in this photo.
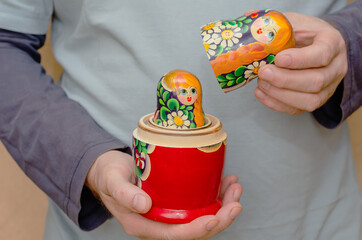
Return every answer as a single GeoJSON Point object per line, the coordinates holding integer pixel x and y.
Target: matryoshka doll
{"type": "Point", "coordinates": [238, 47]}
{"type": "Point", "coordinates": [179, 152]}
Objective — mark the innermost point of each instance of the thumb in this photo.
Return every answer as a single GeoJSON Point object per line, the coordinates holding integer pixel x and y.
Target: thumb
{"type": "Point", "coordinates": [132, 198]}
{"type": "Point", "coordinates": [112, 178]}
{"type": "Point", "coordinates": [128, 195]}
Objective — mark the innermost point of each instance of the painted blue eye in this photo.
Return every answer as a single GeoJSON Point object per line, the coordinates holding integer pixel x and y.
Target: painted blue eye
{"type": "Point", "coordinates": [266, 21]}
{"type": "Point", "coordinates": [271, 35]}
{"type": "Point", "coordinates": [193, 90]}
{"type": "Point", "coordinates": [183, 91]}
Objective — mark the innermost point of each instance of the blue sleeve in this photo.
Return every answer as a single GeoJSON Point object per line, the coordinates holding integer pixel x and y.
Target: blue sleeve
{"type": "Point", "coordinates": [52, 138]}
{"type": "Point", "coordinates": [348, 96]}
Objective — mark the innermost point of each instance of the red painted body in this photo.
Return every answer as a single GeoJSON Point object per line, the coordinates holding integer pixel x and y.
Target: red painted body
{"type": "Point", "coordinates": [184, 183]}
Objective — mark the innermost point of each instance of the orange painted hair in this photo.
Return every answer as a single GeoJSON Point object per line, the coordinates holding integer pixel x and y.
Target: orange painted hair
{"type": "Point", "coordinates": [176, 78]}
{"type": "Point", "coordinates": [246, 54]}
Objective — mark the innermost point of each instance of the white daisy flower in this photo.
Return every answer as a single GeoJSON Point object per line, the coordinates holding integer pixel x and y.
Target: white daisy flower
{"type": "Point", "coordinates": [253, 69]}
{"type": "Point", "coordinates": [208, 30]}
{"type": "Point", "coordinates": [210, 48]}
{"type": "Point", "coordinates": [229, 35]}
{"type": "Point", "coordinates": [177, 120]}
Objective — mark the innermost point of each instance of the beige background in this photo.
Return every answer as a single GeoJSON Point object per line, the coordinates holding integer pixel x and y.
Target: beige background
{"type": "Point", "coordinates": [23, 206]}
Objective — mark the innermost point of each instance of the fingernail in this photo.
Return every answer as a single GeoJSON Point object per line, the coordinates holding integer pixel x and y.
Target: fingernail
{"type": "Point", "coordinates": [284, 60]}
{"type": "Point", "coordinates": [264, 85]}
{"type": "Point", "coordinates": [210, 225]}
{"type": "Point", "coordinates": [139, 203]}
{"type": "Point", "coordinates": [266, 74]}
{"type": "Point", "coordinates": [236, 195]}
{"type": "Point", "coordinates": [234, 212]}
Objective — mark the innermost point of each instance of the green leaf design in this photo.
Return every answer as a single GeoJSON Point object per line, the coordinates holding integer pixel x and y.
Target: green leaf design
{"type": "Point", "coordinates": [182, 107]}
{"type": "Point", "coordinates": [143, 143]}
{"type": "Point", "coordinates": [192, 125]}
{"type": "Point", "coordinates": [163, 113]}
{"type": "Point", "coordinates": [173, 104]}
{"type": "Point", "coordinates": [221, 78]}
{"type": "Point", "coordinates": [144, 150]}
{"type": "Point", "coordinates": [231, 83]}
{"type": "Point", "coordinates": [161, 102]}
{"type": "Point", "coordinates": [186, 112]}
{"type": "Point", "coordinates": [230, 76]}
{"type": "Point", "coordinates": [223, 84]}
{"type": "Point", "coordinates": [247, 20]}
{"type": "Point", "coordinates": [240, 71]}
{"type": "Point", "coordinates": [245, 28]}
{"type": "Point", "coordinates": [189, 108]}
{"type": "Point", "coordinates": [270, 58]}
{"type": "Point", "coordinates": [136, 142]}
{"type": "Point", "coordinates": [240, 80]}
{"type": "Point", "coordinates": [191, 116]}
{"type": "Point", "coordinates": [240, 24]}
{"type": "Point", "coordinates": [158, 121]}
{"type": "Point", "coordinates": [161, 90]}
{"type": "Point", "coordinates": [241, 19]}
{"type": "Point", "coordinates": [232, 23]}
{"type": "Point", "coordinates": [165, 96]}
{"type": "Point", "coordinates": [138, 171]}
{"type": "Point", "coordinates": [158, 94]}
{"type": "Point", "coordinates": [219, 50]}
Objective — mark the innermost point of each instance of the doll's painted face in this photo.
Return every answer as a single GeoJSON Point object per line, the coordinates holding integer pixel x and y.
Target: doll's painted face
{"type": "Point", "coordinates": [187, 96]}
{"type": "Point", "coordinates": [264, 29]}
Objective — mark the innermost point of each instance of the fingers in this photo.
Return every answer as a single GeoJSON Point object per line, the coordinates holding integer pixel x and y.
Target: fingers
{"type": "Point", "coordinates": [306, 80]}
{"type": "Point", "coordinates": [291, 101]}
{"type": "Point", "coordinates": [227, 214]}
{"type": "Point", "coordinates": [197, 229]}
{"type": "Point", "coordinates": [296, 90]}
{"type": "Point", "coordinates": [318, 54]}
{"type": "Point", "coordinates": [275, 104]}
{"type": "Point", "coordinates": [317, 41]}
{"type": "Point", "coordinates": [201, 228]}
{"type": "Point", "coordinates": [126, 194]}
{"type": "Point", "coordinates": [231, 190]}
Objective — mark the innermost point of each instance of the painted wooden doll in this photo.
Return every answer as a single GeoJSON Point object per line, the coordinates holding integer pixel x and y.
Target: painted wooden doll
{"type": "Point", "coordinates": [238, 47]}
{"type": "Point", "coordinates": [179, 152]}
{"type": "Point", "coordinates": [179, 101]}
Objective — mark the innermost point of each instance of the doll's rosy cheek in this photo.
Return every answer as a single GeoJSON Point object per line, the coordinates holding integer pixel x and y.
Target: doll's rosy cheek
{"type": "Point", "coordinates": [263, 39]}
{"type": "Point", "coordinates": [258, 23]}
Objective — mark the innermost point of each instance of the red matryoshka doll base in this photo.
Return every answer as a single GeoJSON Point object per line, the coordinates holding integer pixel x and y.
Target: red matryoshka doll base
{"type": "Point", "coordinates": [179, 162]}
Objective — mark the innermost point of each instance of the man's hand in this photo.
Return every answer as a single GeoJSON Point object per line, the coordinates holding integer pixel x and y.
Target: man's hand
{"type": "Point", "coordinates": [304, 78]}
{"type": "Point", "coordinates": [112, 179]}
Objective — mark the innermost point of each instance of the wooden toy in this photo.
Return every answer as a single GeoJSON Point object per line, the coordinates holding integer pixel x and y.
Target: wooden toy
{"type": "Point", "coordinates": [238, 47]}
{"type": "Point", "coordinates": [179, 152]}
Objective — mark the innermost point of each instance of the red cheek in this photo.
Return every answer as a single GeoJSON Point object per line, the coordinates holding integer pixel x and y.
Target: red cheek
{"type": "Point", "coordinates": [259, 31]}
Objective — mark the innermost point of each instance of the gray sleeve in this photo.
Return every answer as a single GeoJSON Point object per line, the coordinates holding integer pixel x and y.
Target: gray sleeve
{"type": "Point", "coordinates": [52, 138]}
{"type": "Point", "coordinates": [348, 96]}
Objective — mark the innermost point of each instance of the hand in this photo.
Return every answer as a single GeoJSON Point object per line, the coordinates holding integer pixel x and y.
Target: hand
{"type": "Point", "coordinates": [112, 179]}
{"type": "Point", "coordinates": [304, 78]}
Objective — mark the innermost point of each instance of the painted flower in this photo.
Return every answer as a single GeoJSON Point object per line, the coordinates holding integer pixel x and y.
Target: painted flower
{"type": "Point", "coordinates": [177, 120]}
{"type": "Point", "coordinates": [252, 70]}
{"type": "Point", "coordinates": [229, 35]}
{"type": "Point", "coordinates": [208, 30]}
{"type": "Point", "coordinates": [140, 162]}
{"type": "Point", "coordinates": [210, 48]}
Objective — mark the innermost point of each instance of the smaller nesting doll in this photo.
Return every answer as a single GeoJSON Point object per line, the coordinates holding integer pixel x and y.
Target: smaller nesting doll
{"type": "Point", "coordinates": [238, 47]}
{"type": "Point", "coordinates": [179, 101]}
